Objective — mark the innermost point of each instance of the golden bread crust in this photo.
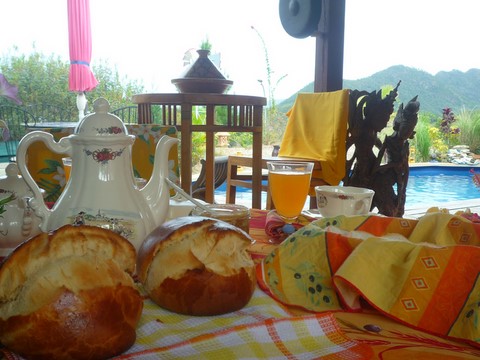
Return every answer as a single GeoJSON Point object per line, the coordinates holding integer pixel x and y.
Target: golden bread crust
{"type": "Point", "coordinates": [197, 266]}
{"type": "Point", "coordinates": [69, 294]}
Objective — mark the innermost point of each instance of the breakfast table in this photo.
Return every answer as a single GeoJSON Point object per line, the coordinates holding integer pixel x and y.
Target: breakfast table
{"type": "Point", "coordinates": [53, 124]}
{"type": "Point", "coordinates": [268, 328]}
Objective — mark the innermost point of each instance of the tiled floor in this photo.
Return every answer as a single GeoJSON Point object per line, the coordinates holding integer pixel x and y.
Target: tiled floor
{"type": "Point", "coordinates": [472, 204]}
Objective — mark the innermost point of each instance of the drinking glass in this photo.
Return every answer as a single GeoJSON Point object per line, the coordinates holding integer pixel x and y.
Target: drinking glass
{"type": "Point", "coordinates": [289, 183]}
{"type": "Point", "coordinates": [67, 167]}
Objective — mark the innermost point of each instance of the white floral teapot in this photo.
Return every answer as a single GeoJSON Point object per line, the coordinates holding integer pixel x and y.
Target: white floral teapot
{"type": "Point", "coordinates": [101, 190]}
{"type": "Point", "coordinates": [17, 220]}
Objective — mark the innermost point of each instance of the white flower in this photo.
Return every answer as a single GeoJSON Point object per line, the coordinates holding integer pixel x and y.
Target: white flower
{"type": "Point", "coordinates": [157, 135]}
{"type": "Point", "coordinates": [60, 176]}
{"type": "Point", "coordinates": [145, 132]}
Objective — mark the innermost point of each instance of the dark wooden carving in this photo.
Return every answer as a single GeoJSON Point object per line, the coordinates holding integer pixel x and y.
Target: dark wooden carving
{"type": "Point", "coordinates": [380, 165]}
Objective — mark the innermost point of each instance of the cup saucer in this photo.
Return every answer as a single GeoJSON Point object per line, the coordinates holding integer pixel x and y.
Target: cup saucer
{"type": "Point", "coordinates": [313, 213]}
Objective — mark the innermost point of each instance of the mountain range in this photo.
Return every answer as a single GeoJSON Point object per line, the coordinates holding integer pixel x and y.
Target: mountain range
{"type": "Point", "coordinates": [453, 89]}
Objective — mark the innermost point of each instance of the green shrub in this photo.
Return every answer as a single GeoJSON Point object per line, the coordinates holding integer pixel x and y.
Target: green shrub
{"type": "Point", "coordinates": [469, 124]}
{"type": "Point", "coordinates": [422, 141]}
{"type": "Point", "coordinates": [241, 140]}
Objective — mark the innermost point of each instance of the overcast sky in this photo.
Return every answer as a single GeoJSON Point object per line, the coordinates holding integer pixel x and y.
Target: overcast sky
{"type": "Point", "coordinates": [147, 39]}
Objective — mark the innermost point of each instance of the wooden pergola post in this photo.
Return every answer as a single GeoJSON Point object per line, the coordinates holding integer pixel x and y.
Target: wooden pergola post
{"type": "Point", "coordinates": [330, 47]}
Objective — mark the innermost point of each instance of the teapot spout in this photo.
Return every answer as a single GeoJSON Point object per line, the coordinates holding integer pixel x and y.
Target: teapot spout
{"type": "Point", "coordinates": [156, 192]}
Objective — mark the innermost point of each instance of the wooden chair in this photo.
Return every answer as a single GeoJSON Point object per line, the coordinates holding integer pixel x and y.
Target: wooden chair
{"type": "Point", "coordinates": [129, 114]}
{"type": "Point", "coordinates": [50, 113]}
{"type": "Point", "coordinates": [316, 132]}
{"type": "Point", "coordinates": [244, 180]}
{"type": "Point", "coordinates": [199, 186]}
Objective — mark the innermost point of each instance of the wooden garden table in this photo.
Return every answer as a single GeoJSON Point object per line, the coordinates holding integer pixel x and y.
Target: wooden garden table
{"type": "Point", "coordinates": [243, 114]}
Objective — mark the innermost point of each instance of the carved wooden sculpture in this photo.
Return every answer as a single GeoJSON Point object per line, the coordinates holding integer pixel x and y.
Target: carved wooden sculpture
{"type": "Point", "coordinates": [396, 169]}
{"type": "Point", "coordinates": [367, 166]}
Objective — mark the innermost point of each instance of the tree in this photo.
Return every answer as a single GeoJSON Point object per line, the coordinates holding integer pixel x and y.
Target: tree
{"type": "Point", "coordinates": [274, 121]}
{"type": "Point", "coordinates": [43, 79]}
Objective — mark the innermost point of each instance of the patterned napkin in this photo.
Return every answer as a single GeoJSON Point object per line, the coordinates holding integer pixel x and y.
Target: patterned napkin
{"type": "Point", "coordinates": [423, 272]}
{"type": "Point", "coordinates": [277, 229]}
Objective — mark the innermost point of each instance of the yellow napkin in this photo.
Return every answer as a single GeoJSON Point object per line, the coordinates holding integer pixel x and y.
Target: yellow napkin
{"type": "Point", "coordinates": [317, 130]}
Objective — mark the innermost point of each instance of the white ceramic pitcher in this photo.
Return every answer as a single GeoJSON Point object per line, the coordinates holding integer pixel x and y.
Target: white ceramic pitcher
{"type": "Point", "coordinates": [101, 190]}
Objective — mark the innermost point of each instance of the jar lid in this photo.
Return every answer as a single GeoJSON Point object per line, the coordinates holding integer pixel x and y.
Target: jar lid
{"type": "Point", "coordinates": [221, 211]}
{"type": "Point", "coordinates": [101, 123]}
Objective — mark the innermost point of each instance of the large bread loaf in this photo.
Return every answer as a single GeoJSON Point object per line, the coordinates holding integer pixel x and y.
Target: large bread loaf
{"type": "Point", "coordinates": [197, 266]}
{"type": "Point", "coordinates": [69, 294]}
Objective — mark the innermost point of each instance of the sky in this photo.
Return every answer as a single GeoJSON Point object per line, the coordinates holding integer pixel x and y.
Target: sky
{"type": "Point", "coordinates": [147, 39]}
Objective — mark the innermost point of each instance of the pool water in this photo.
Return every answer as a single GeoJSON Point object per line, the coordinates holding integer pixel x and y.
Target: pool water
{"type": "Point", "coordinates": [440, 184]}
{"type": "Point", "coordinates": [426, 185]}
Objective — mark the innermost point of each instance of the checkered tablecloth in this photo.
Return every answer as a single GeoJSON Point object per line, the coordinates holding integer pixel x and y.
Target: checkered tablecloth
{"type": "Point", "coordinates": [262, 329]}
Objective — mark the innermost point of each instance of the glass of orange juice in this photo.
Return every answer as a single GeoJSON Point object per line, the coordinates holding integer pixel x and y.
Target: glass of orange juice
{"type": "Point", "coordinates": [67, 167]}
{"type": "Point", "coordinates": [289, 183]}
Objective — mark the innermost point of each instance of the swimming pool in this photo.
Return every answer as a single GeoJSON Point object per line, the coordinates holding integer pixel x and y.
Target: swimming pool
{"type": "Point", "coordinates": [435, 184]}
{"type": "Point", "coordinates": [440, 184]}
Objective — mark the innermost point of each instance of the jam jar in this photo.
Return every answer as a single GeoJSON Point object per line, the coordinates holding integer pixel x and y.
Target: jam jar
{"type": "Point", "coordinates": [237, 215]}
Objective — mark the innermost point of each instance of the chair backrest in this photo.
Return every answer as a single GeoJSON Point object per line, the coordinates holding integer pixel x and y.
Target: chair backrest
{"type": "Point", "coordinates": [16, 119]}
{"type": "Point", "coordinates": [317, 130]}
{"type": "Point", "coordinates": [50, 113]}
{"type": "Point", "coordinates": [129, 114]}
{"type": "Point", "coordinates": [221, 168]}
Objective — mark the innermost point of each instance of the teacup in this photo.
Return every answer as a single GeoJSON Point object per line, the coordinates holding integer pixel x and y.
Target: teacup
{"type": "Point", "coordinates": [343, 200]}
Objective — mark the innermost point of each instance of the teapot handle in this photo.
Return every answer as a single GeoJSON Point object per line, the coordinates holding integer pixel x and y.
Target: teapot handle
{"type": "Point", "coordinates": [61, 147]}
{"type": "Point", "coordinates": [362, 206]}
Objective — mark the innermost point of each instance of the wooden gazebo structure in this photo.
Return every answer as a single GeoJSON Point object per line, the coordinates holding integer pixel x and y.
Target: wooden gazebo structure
{"type": "Point", "coordinates": [330, 47]}
{"type": "Point", "coordinates": [324, 19]}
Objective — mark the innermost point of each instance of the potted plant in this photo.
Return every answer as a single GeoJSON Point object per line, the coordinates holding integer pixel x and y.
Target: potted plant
{"type": "Point", "coordinates": [202, 76]}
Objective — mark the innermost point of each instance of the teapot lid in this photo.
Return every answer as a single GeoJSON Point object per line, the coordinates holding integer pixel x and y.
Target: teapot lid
{"type": "Point", "coordinates": [101, 122]}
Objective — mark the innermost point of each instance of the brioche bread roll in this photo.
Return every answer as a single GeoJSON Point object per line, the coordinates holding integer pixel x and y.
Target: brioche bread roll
{"type": "Point", "coordinates": [69, 294]}
{"type": "Point", "coordinates": [197, 266]}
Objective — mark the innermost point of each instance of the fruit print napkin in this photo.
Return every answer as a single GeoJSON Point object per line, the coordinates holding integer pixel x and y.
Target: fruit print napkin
{"type": "Point", "coordinates": [423, 272]}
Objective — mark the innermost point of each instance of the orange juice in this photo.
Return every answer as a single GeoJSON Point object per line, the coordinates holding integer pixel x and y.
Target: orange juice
{"type": "Point", "coordinates": [289, 191]}
{"type": "Point", "coordinates": [67, 167]}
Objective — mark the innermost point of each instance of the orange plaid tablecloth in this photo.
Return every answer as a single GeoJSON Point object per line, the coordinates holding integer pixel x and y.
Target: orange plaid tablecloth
{"type": "Point", "coordinates": [267, 328]}
{"type": "Point", "coordinates": [262, 330]}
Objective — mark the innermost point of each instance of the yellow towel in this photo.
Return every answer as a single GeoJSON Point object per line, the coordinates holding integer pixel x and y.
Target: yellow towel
{"type": "Point", "coordinates": [317, 130]}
